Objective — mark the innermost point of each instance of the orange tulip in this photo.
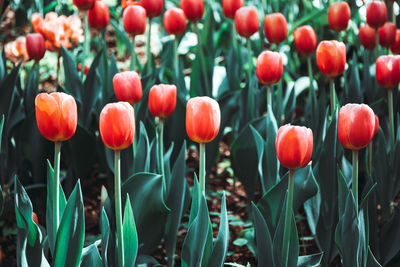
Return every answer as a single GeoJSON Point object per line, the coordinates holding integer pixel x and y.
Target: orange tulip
{"type": "Point", "coordinates": [387, 69]}
{"type": "Point", "coordinates": [338, 16]}
{"type": "Point", "coordinates": [162, 100]}
{"type": "Point", "coordinates": [56, 116]}
{"type": "Point", "coordinates": [376, 14]}
{"type": "Point", "coordinates": [356, 126]}
{"type": "Point", "coordinates": [275, 28]}
{"type": "Point", "coordinates": [366, 34]}
{"type": "Point", "coordinates": [203, 119]}
{"type": "Point", "coordinates": [269, 67]}
{"type": "Point", "coordinates": [305, 40]}
{"type": "Point", "coordinates": [395, 48]}
{"type": "Point", "coordinates": [194, 9]}
{"type": "Point", "coordinates": [175, 21]}
{"type": "Point", "coordinates": [387, 34]}
{"type": "Point", "coordinates": [331, 58]}
{"type": "Point", "coordinates": [294, 146]}
{"type": "Point", "coordinates": [246, 21]}
{"type": "Point", "coordinates": [128, 87]}
{"type": "Point", "coordinates": [229, 7]}
{"type": "Point", "coordinates": [117, 125]}
{"type": "Point", "coordinates": [134, 19]}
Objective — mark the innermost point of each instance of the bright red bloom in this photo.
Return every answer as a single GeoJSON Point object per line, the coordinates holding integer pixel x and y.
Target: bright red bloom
{"type": "Point", "coordinates": [128, 87]}
{"type": "Point", "coordinates": [376, 130]}
{"type": "Point", "coordinates": [294, 146]}
{"type": "Point", "coordinates": [117, 125]}
{"type": "Point", "coordinates": [387, 70]}
{"type": "Point", "coordinates": [194, 9]}
{"type": "Point", "coordinates": [356, 126]}
{"type": "Point", "coordinates": [84, 4]}
{"type": "Point", "coordinates": [162, 100]}
{"type": "Point", "coordinates": [35, 218]}
{"type": "Point", "coordinates": [366, 34]}
{"type": "Point", "coordinates": [229, 7]}
{"type": "Point", "coordinates": [203, 119]}
{"type": "Point", "coordinates": [134, 19]}
{"type": "Point", "coordinates": [387, 34]}
{"type": "Point", "coordinates": [305, 40]}
{"type": "Point", "coordinates": [246, 21]}
{"type": "Point", "coordinates": [331, 58]}
{"type": "Point", "coordinates": [275, 28]}
{"type": "Point", "coordinates": [99, 15]}
{"type": "Point", "coordinates": [338, 16]}
{"type": "Point", "coordinates": [395, 48]}
{"type": "Point", "coordinates": [56, 116]}
{"type": "Point", "coordinates": [153, 8]}
{"type": "Point", "coordinates": [269, 67]}
{"type": "Point", "coordinates": [175, 21]}
{"type": "Point", "coordinates": [376, 14]}
{"type": "Point", "coordinates": [35, 46]}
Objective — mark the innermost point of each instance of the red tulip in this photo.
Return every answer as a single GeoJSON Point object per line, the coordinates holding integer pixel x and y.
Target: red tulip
{"type": "Point", "coordinates": [331, 58]}
{"type": "Point", "coordinates": [387, 71]}
{"type": "Point", "coordinates": [356, 126]}
{"type": "Point", "coordinates": [275, 28]}
{"type": "Point", "coordinates": [269, 67]}
{"type": "Point", "coordinates": [175, 21]}
{"type": "Point", "coordinates": [376, 130]}
{"type": "Point", "coordinates": [229, 7]}
{"type": "Point", "coordinates": [162, 100]}
{"type": "Point", "coordinates": [85, 68]}
{"type": "Point", "coordinates": [366, 34]}
{"type": "Point", "coordinates": [35, 218]}
{"type": "Point", "coordinates": [153, 8]}
{"type": "Point", "coordinates": [194, 9]}
{"type": "Point", "coordinates": [84, 4]}
{"type": "Point", "coordinates": [203, 119]}
{"type": "Point", "coordinates": [35, 46]}
{"type": "Point", "coordinates": [395, 48]}
{"type": "Point", "coordinates": [117, 125]}
{"type": "Point", "coordinates": [134, 19]}
{"type": "Point", "coordinates": [128, 87]}
{"type": "Point", "coordinates": [56, 116]}
{"type": "Point", "coordinates": [376, 14]}
{"type": "Point", "coordinates": [305, 40]}
{"type": "Point", "coordinates": [294, 146]}
{"type": "Point", "coordinates": [338, 16]}
{"type": "Point", "coordinates": [99, 15]}
{"type": "Point", "coordinates": [246, 21]}
{"type": "Point", "coordinates": [387, 34]}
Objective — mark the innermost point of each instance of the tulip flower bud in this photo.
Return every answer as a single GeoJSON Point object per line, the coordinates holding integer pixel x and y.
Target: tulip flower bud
{"type": "Point", "coordinates": [134, 18]}
{"type": "Point", "coordinates": [117, 125]}
{"type": "Point", "coordinates": [84, 4]}
{"type": "Point", "coordinates": [153, 8]}
{"type": "Point", "coordinates": [194, 9]}
{"type": "Point", "coordinates": [175, 21]}
{"type": "Point", "coordinates": [387, 34]}
{"type": "Point", "coordinates": [376, 14]}
{"type": "Point", "coordinates": [35, 46]}
{"type": "Point", "coordinates": [269, 67]}
{"type": "Point", "coordinates": [275, 28]}
{"type": "Point", "coordinates": [376, 130]}
{"type": "Point", "coordinates": [99, 15]}
{"type": "Point", "coordinates": [128, 87]}
{"type": "Point", "coordinates": [356, 126]}
{"type": "Point", "coordinates": [338, 16]}
{"type": "Point", "coordinates": [229, 7]}
{"type": "Point", "coordinates": [294, 146]}
{"type": "Point", "coordinates": [246, 21]}
{"type": "Point", "coordinates": [387, 70]}
{"type": "Point", "coordinates": [162, 100]}
{"type": "Point", "coordinates": [395, 48]}
{"type": "Point", "coordinates": [203, 119]}
{"type": "Point", "coordinates": [35, 218]}
{"type": "Point", "coordinates": [331, 58]}
{"type": "Point", "coordinates": [366, 34]}
{"type": "Point", "coordinates": [305, 40]}
{"type": "Point", "coordinates": [56, 116]}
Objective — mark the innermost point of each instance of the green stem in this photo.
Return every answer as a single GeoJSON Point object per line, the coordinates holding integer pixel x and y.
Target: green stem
{"type": "Point", "coordinates": [377, 42]}
{"type": "Point", "coordinates": [391, 119]}
{"type": "Point", "coordinates": [333, 97]}
{"type": "Point", "coordinates": [56, 188]}
{"type": "Point", "coordinates": [354, 187]}
{"type": "Point", "coordinates": [265, 6]}
{"type": "Point", "coordinates": [202, 169]}
{"type": "Point", "coordinates": [311, 88]}
{"type": "Point", "coordinates": [86, 47]}
{"type": "Point", "coordinates": [176, 56]}
{"type": "Point", "coordinates": [269, 96]}
{"type": "Point", "coordinates": [133, 55]}
{"type": "Point", "coordinates": [118, 206]}
{"type": "Point", "coordinates": [288, 218]}
{"type": "Point", "coordinates": [233, 35]}
{"type": "Point", "coordinates": [148, 45]}
{"type": "Point", "coordinates": [161, 151]}
{"type": "Point", "coordinates": [250, 97]}
{"type": "Point", "coordinates": [370, 158]}
{"type": "Point", "coordinates": [202, 62]}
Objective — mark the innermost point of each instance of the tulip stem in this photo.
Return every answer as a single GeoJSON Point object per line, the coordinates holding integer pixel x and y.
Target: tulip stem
{"type": "Point", "coordinates": [202, 62]}
{"type": "Point", "coordinates": [233, 35]}
{"type": "Point", "coordinates": [161, 151]}
{"type": "Point", "coordinates": [250, 97]}
{"type": "Point", "coordinates": [311, 88]}
{"type": "Point", "coordinates": [354, 187]}
{"type": "Point", "coordinates": [391, 119]}
{"type": "Point", "coordinates": [86, 47]}
{"type": "Point", "coordinates": [269, 96]}
{"type": "Point", "coordinates": [288, 218]}
{"type": "Point", "coordinates": [118, 207]}
{"type": "Point", "coordinates": [370, 158]}
{"type": "Point", "coordinates": [176, 56]}
{"type": "Point", "coordinates": [133, 55]}
{"type": "Point", "coordinates": [377, 42]}
{"type": "Point", "coordinates": [56, 188]}
{"type": "Point", "coordinates": [202, 169]}
{"type": "Point", "coordinates": [333, 97]}
{"type": "Point", "coordinates": [148, 46]}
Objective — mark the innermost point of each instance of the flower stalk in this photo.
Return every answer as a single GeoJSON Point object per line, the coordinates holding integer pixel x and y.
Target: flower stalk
{"type": "Point", "coordinates": [56, 188]}
{"type": "Point", "coordinates": [354, 187]}
{"type": "Point", "coordinates": [118, 206]}
{"type": "Point", "coordinates": [288, 218]}
{"type": "Point", "coordinates": [202, 169]}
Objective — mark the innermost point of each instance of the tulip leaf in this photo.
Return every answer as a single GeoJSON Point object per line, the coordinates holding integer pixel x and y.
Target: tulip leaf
{"type": "Point", "coordinates": [313, 260]}
{"type": "Point", "coordinates": [90, 257]}
{"type": "Point", "coordinates": [1, 201]}
{"type": "Point", "coordinates": [71, 233]}
{"type": "Point", "coordinates": [8, 90]}
{"type": "Point", "coordinates": [130, 235]}
{"type": "Point", "coordinates": [142, 157]}
{"type": "Point", "coordinates": [31, 90]}
{"type": "Point", "coordinates": [73, 83]}
{"type": "Point", "coordinates": [263, 239]}
{"type": "Point", "coordinates": [371, 261]}
{"type": "Point", "coordinates": [390, 238]}
{"type": "Point", "coordinates": [105, 237]}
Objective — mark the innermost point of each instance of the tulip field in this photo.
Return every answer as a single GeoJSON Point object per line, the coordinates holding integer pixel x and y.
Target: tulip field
{"type": "Point", "coordinates": [199, 133]}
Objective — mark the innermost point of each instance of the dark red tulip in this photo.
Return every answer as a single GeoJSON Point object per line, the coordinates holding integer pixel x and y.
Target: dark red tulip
{"type": "Point", "coordinates": [376, 14]}
{"type": "Point", "coordinates": [338, 16]}
{"type": "Point", "coordinates": [269, 67]}
{"type": "Point", "coordinates": [275, 28]}
{"type": "Point", "coordinates": [175, 21]}
{"type": "Point", "coordinates": [99, 15]}
{"type": "Point", "coordinates": [366, 34]}
{"type": "Point", "coordinates": [35, 46]}
{"type": "Point", "coordinates": [305, 40]}
{"type": "Point", "coordinates": [246, 21]}
{"type": "Point", "coordinates": [331, 58]}
{"type": "Point", "coordinates": [229, 7]}
{"type": "Point", "coordinates": [387, 34]}
{"type": "Point", "coordinates": [84, 4]}
{"type": "Point", "coordinates": [388, 71]}
{"type": "Point", "coordinates": [395, 48]}
{"type": "Point", "coordinates": [153, 8]}
{"type": "Point", "coordinates": [134, 19]}
{"type": "Point", "coordinates": [194, 9]}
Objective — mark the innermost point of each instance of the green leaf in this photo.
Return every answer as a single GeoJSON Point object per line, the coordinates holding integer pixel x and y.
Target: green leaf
{"type": "Point", "coordinates": [1, 129]}
{"type": "Point", "coordinates": [372, 262]}
{"type": "Point", "coordinates": [142, 156]}
{"type": "Point", "coordinates": [1, 201]}
{"type": "Point", "coordinates": [7, 90]}
{"type": "Point", "coordinates": [194, 209]}
{"type": "Point", "coordinates": [263, 239]}
{"type": "Point", "coordinates": [105, 237]}
{"type": "Point", "coordinates": [313, 260]}
{"type": "Point", "coordinates": [390, 238]}
{"type": "Point", "coordinates": [71, 233]}
{"type": "Point", "coordinates": [73, 84]}
{"type": "Point", "coordinates": [31, 90]}
{"type": "Point", "coordinates": [130, 235]}
{"type": "Point", "coordinates": [90, 257]}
